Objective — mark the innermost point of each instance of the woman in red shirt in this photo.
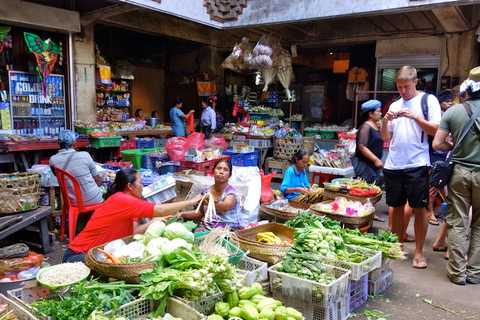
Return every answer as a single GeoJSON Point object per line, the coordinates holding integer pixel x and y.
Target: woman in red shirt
{"type": "Point", "coordinates": [115, 218]}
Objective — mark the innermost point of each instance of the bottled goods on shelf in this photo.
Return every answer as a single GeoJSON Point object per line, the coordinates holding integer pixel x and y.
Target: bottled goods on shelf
{"type": "Point", "coordinates": [38, 127]}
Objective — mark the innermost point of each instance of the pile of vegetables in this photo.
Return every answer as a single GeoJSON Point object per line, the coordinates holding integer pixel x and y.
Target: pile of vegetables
{"type": "Point", "coordinates": [386, 242]}
{"type": "Point", "coordinates": [85, 297]}
{"type": "Point", "coordinates": [346, 207]}
{"type": "Point", "coordinates": [315, 195]}
{"type": "Point", "coordinates": [6, 314]}
{"type": "Point", "coordinates": [249, 303]}
{"type": "Point", "coordinates": [270, 237]}
{"type": "Point", "coordinates": [355, 187]}
{"type": "Point", "coordinates": [99, 315]}
{"type": "Point", "coordinates": [306, 266]}
{"type": "Point", "coordinates": [189, 274]}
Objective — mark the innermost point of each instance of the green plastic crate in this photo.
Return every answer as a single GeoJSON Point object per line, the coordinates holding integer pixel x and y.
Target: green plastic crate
{"type": "Point", "coordinates": [135, 156]}
{"type": "Point", "coordinates": [105, 142]}
{"type": "Point", "coordinates": [327, 134]}
{"type": "Point", "coordinates": [235, 253]}
{"type": "Point", "coordinates": [311, 133]}
{"type": "Point", "coordinates": [84, 131]}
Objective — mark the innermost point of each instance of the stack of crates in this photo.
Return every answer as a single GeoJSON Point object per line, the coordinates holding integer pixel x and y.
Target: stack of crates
{"type": "Point", "coordinates": [243, 159]}
{"type": "Point", "coordinates": [380, 279]}
{"type": "Point", "coordinates": [145, 143]}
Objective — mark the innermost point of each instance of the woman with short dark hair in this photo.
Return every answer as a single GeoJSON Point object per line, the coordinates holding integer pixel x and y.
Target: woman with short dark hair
{"type": "Point", "coordinates": [295, 178]}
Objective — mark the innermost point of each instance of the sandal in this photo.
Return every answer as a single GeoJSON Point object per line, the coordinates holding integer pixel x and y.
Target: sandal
{"type": "Point", "coordinates": [420, 263]}
{"type": "Point", "coordinates": [433, 222]}
{"type": "Point", "coordinates": [376, 218]}
{"type": "Point", "coordinates": [408, 238]}
{"type": "Point", "coordinates": [441, 248]}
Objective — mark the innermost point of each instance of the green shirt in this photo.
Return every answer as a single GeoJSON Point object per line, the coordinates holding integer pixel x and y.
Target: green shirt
{"type": "Point", "coordinates": [467, 153]}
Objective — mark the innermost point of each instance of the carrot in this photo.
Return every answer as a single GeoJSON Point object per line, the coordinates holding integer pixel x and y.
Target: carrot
{"type": "Point", "coordinates": [111, 256]}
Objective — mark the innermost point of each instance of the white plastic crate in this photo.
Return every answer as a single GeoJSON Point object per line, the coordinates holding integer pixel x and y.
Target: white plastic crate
{"type": "Point", "coordinates": [25, 296]}
{"type": "Point", "coordinates": [260, 143]}
{"type": "Point", "coordinates": [252, 271]}
{"type": "Point", "coordinates": [323, 295]}
{"type": "Point", "coordinates": [140, 308]}
{"type": "Point", "coordinates": [358, 270]}
{"type": "Point", "coordinates": [162, 196]}
{"type": "Point", "coordinates": [206, 305]}
{"type": "Point", "coordinates": [380, 283]}
{"type": "Point", "coordinates": [337, 310]}
{"type": "Point", "coordinates": [377, 272]}
{"type": "Point", "coordinates": [358, 292]}
{"type": "Point", "coordinates": [19, 311]}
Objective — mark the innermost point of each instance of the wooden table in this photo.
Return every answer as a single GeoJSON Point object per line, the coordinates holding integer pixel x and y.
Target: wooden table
{"type": "Point", "coordinates": [158, 133]}
{"type": "Point", "coordinates": [262, 154]}
{"type": "Point", "coordinates": [34, 220]}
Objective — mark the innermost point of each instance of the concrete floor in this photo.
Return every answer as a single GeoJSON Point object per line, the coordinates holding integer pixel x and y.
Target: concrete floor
{"type": "Point", "coordinates": [415, 293]}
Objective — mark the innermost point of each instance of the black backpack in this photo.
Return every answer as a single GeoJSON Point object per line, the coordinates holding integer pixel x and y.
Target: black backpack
{"type": "Point", "coordinates": [424, 103]}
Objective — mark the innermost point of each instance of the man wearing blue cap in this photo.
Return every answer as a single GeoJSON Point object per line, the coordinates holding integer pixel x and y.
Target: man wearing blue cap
{"type": "Point", "coordinates": [407, 166]}
{"type": "Point", "coordinates": [79, 164]}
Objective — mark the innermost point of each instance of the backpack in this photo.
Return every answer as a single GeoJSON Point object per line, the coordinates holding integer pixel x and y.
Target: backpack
{"type": "Point", "coordinates": [424, 103]}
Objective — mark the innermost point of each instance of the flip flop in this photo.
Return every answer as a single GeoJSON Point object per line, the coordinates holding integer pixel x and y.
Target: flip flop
{"type": "Point", "coordinates": [408, 238]}
{"type": "Point", "coordinates": [420, 263]}
{"type": "Point", "coordinates": [441, 248]}
{"type": "Point", "coordinates": [433, 222]}
{"type": "Point", "coordinates": [379, 219]}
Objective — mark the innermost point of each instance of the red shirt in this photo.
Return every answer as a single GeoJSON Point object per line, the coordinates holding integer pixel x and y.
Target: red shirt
{"type": "Point", "coordinates": [112, 221]}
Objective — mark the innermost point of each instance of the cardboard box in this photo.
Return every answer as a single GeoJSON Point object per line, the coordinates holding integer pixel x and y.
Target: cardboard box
{"type": "Point", "coordinates": [277, 165]}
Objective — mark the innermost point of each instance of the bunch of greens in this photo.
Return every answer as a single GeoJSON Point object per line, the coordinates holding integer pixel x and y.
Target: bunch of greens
{"type": "Point", "coordinates": [84, 298]}
{"type": "Point", "coordinates": [190, 274]}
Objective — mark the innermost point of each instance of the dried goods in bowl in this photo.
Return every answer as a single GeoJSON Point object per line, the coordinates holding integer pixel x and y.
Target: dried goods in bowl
{"type": "Point", "coordinates": [62, 275]}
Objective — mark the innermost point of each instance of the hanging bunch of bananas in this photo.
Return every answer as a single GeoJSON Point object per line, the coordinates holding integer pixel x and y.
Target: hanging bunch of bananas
{"type": "Point", "coordinates": [315, 195]}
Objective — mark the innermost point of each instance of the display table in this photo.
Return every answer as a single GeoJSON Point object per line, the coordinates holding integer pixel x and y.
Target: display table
{"type": "Point", "coordinates": [326, 174]}
{"type": "Point", "coordinates": [142, 133]}
{"type": "Point", "coordinates": [34, 220]}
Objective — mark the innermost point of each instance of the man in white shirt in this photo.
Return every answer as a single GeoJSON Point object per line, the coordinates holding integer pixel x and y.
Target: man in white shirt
{"type": "Point", "coordinates": [406, 169]}
{"type": "Point", "coordinates": [208, 121]}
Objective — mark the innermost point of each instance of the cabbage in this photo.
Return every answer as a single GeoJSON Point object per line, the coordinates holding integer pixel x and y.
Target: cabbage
{"type": "Point", "coordinates": [168, 247]}
{"type": "Point", "coordinates": [152, 250]}
{"type": "Point", "coordinates": [153, 231]}
{"type": "Point", "coordinates": [178, 230]}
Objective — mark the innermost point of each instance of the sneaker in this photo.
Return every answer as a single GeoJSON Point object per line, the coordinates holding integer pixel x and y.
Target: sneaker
{"type": "Point", "coordinates": [458, 282]}
{"type": "Point", "coordinates": [471, 281]}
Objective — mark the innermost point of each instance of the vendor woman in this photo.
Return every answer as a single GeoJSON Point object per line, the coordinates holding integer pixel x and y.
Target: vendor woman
{"type": "Point", "coordinates": [115, 218]}
{"type": "Point", "coordinates": [295, 179]}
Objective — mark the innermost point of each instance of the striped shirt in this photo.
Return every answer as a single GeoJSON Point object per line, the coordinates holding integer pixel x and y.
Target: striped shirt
{"type": "Point", "coordinates": [209, 118]}
{"type": "Point", "coordinates": [82, 167]}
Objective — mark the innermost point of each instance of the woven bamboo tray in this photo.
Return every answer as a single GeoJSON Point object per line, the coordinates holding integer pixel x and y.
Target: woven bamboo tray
{"type": "Point", "coordinates": [346, 221]}
{"type": "Point", "coordinates": [246, 239]}
{"type": "Point", "coordinates": [331, 195]}
{"type": "Point", "coordinates": [19, 192]}
{"type": "Point", "coordinates": [285, 148]}
{"type": "Point", "coordinates": [309, 144]}
{"type": "Point", "coordinates": [277, 215]}
{"type": "Point", "coordinates": [130, 272]}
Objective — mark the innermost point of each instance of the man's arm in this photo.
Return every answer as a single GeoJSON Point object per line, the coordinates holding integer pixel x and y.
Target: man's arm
{"type": "Point", "coordinates": [387, 134]}
{"type": "Point", "coordinates": [428, 127]}
{"type": "Point", "coordinates": [98, 180]}
{"type": "Point", "coordinates": [440, 141]}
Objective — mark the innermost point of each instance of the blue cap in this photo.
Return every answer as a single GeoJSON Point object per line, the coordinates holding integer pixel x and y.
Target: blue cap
{"type": "Point", "coordinates": [68, 137]}
{"type": "Point", "coordinates": [371, 105]}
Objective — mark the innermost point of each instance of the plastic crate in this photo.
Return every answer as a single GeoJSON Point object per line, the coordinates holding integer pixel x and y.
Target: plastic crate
{"type": "Point", "coordinates": [204, 166]}
{"type": "Point", "coordinates": [162, 196]}
{"type": "Point", "coordinates": [358, 292]}
{"type": "Point", "coordinates": [251, 159]}
{"type": "Point", "coordinates": [235, 253]}
{"type": "Point", "coordinates": [206, 305]}
{"type": "Point", "coordinates": [323, 295]}
{"type": "Point", "coordinates": [337, 310]}
{"type": "Point", "coordinates": [140, 308]}
{"type": "Point", "coordinates": [252, 271]}
{"type": "Point", "coordinates": [159, 143]}
{"type": "Point", "coordinates": [135, 156]}
{"type": "Point", "coordinates": [145, 144]}
{"type": "Point", "coordinates": [237, 159]}
{"type": "Point", "coordinates": [84, 131]}
{"type": "Point", "coordinates": [311, 133]}
{"type": "Point", "coordinates": [380, 283]}
{"type": "Point", "coordinates": [327, 134]}
{"type": "Point", "coordinates": [260, 143]}
{"type": "Point", "coordinates": [105, 142]}
{"type": "Point", "coordinates": [128, 145]}
{"type": "Point", "coordinates": [20, 312]}
{"type": "Point", "coordinates": [358, 270]}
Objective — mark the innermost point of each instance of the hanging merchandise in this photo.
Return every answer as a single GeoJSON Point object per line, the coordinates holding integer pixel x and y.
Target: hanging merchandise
{"type": "Point", "coordinates": [46, 52]}
{"type": "Point", "coordinates": [104, 68]}
{"type": "Point", "coordinates": [240, 60]}
{"type": "Point", "coordinates": [285, 71]}
{"type": "Point", "coordinates": [3, 33]}
{"type": "Point", "coordinates": [270, 73]}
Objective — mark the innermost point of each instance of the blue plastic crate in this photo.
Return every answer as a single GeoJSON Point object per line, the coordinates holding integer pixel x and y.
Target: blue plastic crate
{"type": "Point", "coordinates": [145, 144]}
{"type": "Point", "coordinates": [237, 159]}
{"type": "Point", "coordinates": [251, 159]}
{"type": "Point", "coordinates": [159, 143]}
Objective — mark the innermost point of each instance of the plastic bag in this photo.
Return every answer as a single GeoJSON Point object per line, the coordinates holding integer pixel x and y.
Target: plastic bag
{"type": "Point", "coordinates": [28, 274]}
{"type": "Point", "coordinates": [240, 60]}
{"type": "Point", "coordinates": [114, 247]}
{"type": "Point", "coordinates": [266, 193]}
{"type": "Point", "coordinates": [195, 140]}
{"type": "Point", "coordinates": [11, 266]}
{"type": "Point", "coordinates": [217, 141]}
{"type": "Point", "coordinates": [176, 148]}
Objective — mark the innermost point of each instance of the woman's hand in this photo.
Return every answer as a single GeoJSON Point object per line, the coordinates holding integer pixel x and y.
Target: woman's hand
{"type": "Point", "coordinates": [162, 219]}
{"type": "Point", "coordinates": [303, 190]}
{"type": "Point", "coordinates": [196, 199]}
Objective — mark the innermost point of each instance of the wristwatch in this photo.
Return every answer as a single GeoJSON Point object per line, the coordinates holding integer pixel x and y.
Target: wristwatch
{"type": "Point", "coordinates": [216, 201]}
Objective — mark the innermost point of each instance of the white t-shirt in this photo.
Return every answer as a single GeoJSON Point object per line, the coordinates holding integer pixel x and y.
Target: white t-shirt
{"type": "Point", "coordinates": [406, 149]}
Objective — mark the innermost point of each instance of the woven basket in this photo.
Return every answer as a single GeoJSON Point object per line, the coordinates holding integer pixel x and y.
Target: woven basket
{"type": "Point", "coordinates": [277, 215]}
{"type": "Point", "coordinates": [246, 239]}
{"type": "Point", "coordinates": [285, 148]}
{"type": "Point", "coordinates": [309, 144]}
{"type": "Point", "coordinates": [19, 192]}
{"type": "Point", "coordinates": [130, 272]}
{"type": "Point", "coordinates": [331, 195]}
{"type": "Point", "coordinates": [346, 221]}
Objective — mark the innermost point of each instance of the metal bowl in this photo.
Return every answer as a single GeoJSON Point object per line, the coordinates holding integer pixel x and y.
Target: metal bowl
{"type": "Point", "coordinates": [152, 122]}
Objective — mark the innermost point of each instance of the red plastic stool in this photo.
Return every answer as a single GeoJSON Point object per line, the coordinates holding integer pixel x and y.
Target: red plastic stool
{"type": "Point", "coordinates": [323, 177]}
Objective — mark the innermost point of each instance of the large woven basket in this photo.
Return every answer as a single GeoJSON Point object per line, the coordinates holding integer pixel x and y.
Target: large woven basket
{"type": "Point", "coordinates": [285, 148]}
{"type": "Point", "coordinates": [331, 195]}
{"type": "Point", "coordinates": [246, 239]}
{"type": "Point", "coordinates": [19, 192]}
{"type": "Point", "coordinates": [346, 221]}
{"type": "Point", "coordinates": [277, 215]}
{"type": "Point", "coordinates": [309, 144]}
{"type": "Point", "coordinates": [130, 272]}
